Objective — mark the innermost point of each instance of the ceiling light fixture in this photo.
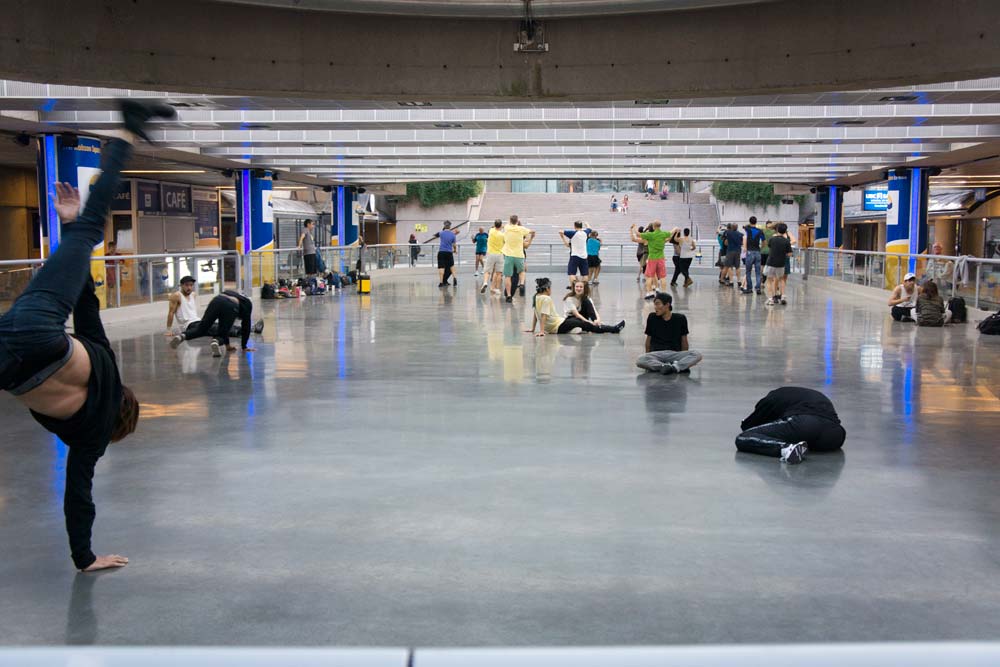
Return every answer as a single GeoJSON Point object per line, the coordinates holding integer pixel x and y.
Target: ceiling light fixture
{"type": "Point", "coordinates": [163, 171]}
{"type": "Point", "coordinates": [645, 124]}
{"type": "Point", "coordinates": [640, 143]}
{"type": "Point", "coordinates": [414, 104]}
{"type": "Point", "coordinates": [850, 122]}
{"type": "Point", "coordinates": [652, 102]}
{"type": "Point", "coordinates": [899, 98]}
{"type": "Point", "coordinates": [473, 143]}
{"type": "Point", "coordinates": [445, 126]}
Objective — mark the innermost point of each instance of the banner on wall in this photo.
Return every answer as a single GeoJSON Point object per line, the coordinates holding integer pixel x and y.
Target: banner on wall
{"type": "Point", "coordinates": [892, 210]}
{"type": "Point", "coordinates": [205, 204]}
{"type": "Point", "coordinates": [876, 199]}
{"type": "Point", "coordinates": [267, 206]}
{"type": "Point", "coordinates": [85, 178]}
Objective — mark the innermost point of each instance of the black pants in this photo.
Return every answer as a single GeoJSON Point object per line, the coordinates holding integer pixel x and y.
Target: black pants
{"type": "Point", "coordinates": [221, 310]}
{"type": "Point", "coordinates": [819, 433]}
{"type": "Point", "coordinates": [571, 323]}
{"type": "Point", "coordinates": [446, 261]}
{"type": "Point", "coordinates": [33, 332]}
{"type": "Point", "coordinates": [902, 314]}
{"type": "Point", "coordinates": [213, 331]}
{"type": "Point", "coordinates": [681, 267]}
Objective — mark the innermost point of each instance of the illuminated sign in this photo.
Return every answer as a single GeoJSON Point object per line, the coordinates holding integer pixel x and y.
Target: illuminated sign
{"type": "Point", "coordinates": [876, 199]}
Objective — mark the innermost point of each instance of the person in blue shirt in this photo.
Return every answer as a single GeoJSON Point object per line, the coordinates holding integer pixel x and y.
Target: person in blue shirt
{"type": "Point", "coordinates": [480, 240]}
{"type": "Point", "coordinates": [446, 255]}
{"type": "Point", "coordinates": [593, 257]}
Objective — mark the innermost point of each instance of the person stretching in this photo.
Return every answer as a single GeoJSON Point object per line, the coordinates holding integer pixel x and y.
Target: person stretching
{"type": "Point", "coordinates": [71, 384]}
{"type": "Point", "coordinates": [667, 349]}
{"type": "Point", "coordinates": [480, 240]}
{"type": "Point", "coordinates": [223, 311]}
{"type": "Point", "coordinates": [182, 306]}
{"type": "Point", "coordinates": [790, 421]}
{"type": "Point", "coordinates": [655, 239]}
{"type": "Point", "coordinates": [548, 320]}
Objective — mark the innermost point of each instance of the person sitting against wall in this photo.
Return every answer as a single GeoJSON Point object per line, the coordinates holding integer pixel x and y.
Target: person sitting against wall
{"type": "Point", "coordinates": [903, 299]}
{"type": "Point", "coordinates": [930, 310]}
{"type": "Point", "coordinates": [939, 270]}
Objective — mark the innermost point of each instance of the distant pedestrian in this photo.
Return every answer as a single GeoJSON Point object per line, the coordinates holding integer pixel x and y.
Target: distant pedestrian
{"type": "Point", "coordinates": [414, 250]}
{"type": "Point", "coordinates": [754, 237]}
{"type": "Point", "coordinates": [625, 205]}
{"type": "Point", "coordinates": [480, 240]}
{"type": "Point", "coordinates": [308, 246]}
{"type": "Point", "coordinates": [446, 255]}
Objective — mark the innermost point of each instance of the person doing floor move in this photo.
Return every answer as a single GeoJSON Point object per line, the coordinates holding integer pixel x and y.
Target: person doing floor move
{"type": "Point", "coordinates": [222, 311]}
{"type": "Point", "coordinates": [548, 320]}
{"type": "Point", "coordinates": [71, 384]}
{"type": "Point", "coordinates": [182, 313]}
{"type": "Point", "coordinates": [667, 349]}
{"type": "Point", "coordinates": [790, 421]}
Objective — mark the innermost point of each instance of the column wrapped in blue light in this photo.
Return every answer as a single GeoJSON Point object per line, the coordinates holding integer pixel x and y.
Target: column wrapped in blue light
{"type": "Point", "coordinates": [243, 207]}
{"type": "Point", "coordinates": [918, 214]}
{"type": "Point", "coordinates": [48, 174]}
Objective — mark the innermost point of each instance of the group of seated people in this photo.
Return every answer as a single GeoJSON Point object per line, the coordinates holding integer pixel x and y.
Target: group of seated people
{"type": "Point", "coordinates": [923, 304]}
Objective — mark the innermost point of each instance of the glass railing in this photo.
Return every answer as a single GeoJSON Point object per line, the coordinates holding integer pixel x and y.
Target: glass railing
{"type": "Point", "coordinates": [975, 279]}
{"type": "Point", "coordinates": [127, 280]}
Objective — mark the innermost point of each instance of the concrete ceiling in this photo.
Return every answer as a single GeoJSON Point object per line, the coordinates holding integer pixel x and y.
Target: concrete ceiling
{"type": "Point", "coordinates": [495, 8]}
{"type": "Point", "coordinates": [800, 137]}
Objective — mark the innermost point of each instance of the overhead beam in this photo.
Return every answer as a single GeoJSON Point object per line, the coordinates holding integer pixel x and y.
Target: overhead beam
{"type": "Point", "coordinates": [792, 45]}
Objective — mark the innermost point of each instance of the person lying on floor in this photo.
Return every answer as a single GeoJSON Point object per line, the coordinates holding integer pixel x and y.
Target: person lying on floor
{"type": "Point", "coordinates": [789, 422]}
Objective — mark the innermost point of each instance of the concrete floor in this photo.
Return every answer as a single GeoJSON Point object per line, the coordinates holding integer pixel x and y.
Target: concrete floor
{"type": "Point", "coordinates": [412, 469]}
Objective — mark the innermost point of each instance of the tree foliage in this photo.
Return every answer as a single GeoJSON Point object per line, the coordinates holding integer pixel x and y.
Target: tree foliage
{"type": "Point", "coordinates": [443, 192]}
{"type": "Point", "coordinates": [751, 195]}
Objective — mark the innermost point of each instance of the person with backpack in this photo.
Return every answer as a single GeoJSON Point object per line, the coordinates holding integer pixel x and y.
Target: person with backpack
{"type": "Point", "coordinates": [752, 243]}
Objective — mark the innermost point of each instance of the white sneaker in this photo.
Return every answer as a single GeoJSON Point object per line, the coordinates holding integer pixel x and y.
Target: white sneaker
{"type": "Point", "coordinates": [794, 453]}
{"type": "Point", "coordinates": [770, 302]}
{"type": "Point", "coordinates": [216, 349]}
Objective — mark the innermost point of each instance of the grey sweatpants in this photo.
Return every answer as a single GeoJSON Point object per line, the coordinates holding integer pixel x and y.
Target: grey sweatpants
{"type": "Point", "coordinates": [656, 361]}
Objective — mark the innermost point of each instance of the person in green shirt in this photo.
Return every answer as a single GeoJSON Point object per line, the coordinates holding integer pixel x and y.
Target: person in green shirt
{"type": "Point", "coordinates": [656, 266]}
{"type": "Point", "coordinates": [765, 249]}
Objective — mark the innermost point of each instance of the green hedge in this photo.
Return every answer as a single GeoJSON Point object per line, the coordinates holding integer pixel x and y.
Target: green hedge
{"type": "Point", "coordinates": [443, 192]}
{"type": "Point", "coordinates": [753, 195]}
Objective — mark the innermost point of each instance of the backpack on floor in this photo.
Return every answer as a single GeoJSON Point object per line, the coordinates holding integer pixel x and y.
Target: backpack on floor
{"type": "Point", "coordinates": [991, 325]}
{"type": "Point", "coordinates": [267, 291]}
{"type": "Point", "coordinates": [957, 308]}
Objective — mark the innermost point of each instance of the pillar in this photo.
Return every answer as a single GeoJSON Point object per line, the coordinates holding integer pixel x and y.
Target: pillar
{"type": "Point", "coordinates": [829, 229]}
{"type": "Point", "coordinates": [344, 220]}
{"type": "Point", "coordinates": [255, 218]}
{"type": "Point", "coordinates": [905, 221]}
{"type": "Point", "coordinates": [77, 161]}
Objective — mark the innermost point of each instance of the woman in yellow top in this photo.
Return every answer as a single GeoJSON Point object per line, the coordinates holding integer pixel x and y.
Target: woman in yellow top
{"type": "Point", "coordinates": [548, 320]}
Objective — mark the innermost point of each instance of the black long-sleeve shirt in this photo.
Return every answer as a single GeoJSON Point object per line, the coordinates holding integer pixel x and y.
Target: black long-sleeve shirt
{"type": "Point", "coordinates": [788, 401]}
{"type": "Point", "coordinates": [88, 432]}
{"type": "Point", "coordinates": [246, 314]}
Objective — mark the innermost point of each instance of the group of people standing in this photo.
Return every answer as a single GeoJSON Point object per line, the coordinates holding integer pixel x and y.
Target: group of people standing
{"type": "Point", "coordinates": [766, 253]}
{"type": "Point", "coordinates": [651, 255]}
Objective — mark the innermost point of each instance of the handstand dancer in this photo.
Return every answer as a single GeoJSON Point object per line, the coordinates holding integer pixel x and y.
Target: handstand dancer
{"type": "Point", "coordinates": [790, 421]}
{"type": "Point", "coordinates": [220, 314]}
{"type": "Point", "coordinates": [71, 384]}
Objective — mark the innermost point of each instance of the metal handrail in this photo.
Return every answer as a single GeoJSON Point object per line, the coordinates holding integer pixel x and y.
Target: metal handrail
{"type": "Point", "coordinates": [114, 258]}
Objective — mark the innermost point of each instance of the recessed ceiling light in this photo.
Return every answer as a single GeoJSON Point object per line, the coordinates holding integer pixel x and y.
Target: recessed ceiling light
{"type": "Point", "coordinates": [645, 124]}
{"type": "Point", "coordinates": [414, 104]}
{"type": "Point", "coordinates": [640, 143]}
{"type": "Point", "coordinates": [447, 125]}
{"type": "Point", "coordinates": [810, 141]}
{"type": "Point", "coordinates": [473, 143]}
{"type": "Point", "coordinates": [899, 98]}
{"type": "Point", "coordinates": [163, 171]}
{"type": "Point", "coordinates": [850, 122]}
{"type": "Point", "coordinates": [647, 102]}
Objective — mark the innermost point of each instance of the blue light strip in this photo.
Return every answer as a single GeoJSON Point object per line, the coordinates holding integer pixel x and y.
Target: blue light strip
{"type": "Point", "coordinates": [916, 185]}
{"type": "Point", "coordinates": [831, 226]}
{"type": "Point", "coordinates": [341, 223]}
{"type": "Point", "coordinates": [245, 209]}
{"type": "Point", "coordinates": [50, 174]}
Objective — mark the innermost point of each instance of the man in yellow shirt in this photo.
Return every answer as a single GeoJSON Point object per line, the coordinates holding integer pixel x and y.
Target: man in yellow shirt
{"type": "Point", "coordinates": [516, 239]}
{"type": "Point", "coordinates": [493, 269]}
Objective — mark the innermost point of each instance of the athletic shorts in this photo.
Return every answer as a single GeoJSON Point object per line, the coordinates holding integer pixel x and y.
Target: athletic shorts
{"type": "Point", "coordinates": [593, 260]}
{"type": "Point", "coordinates": [480, 254]}
{"type": "Point", "coordinates": [310, 263]}
{"type": "Point", "coordinates": [733, 259]}
{"type": "Point", "coordinates": [446, 260]}
{"type": "Point", "coordinates": [493, 264]}
{"type": "Point", "coordinates": [512, 265]}
{"type": "Point", "coordinates": [576, 264]}
{"type": "Point", "coordinates": [656, 268]}
{"type": "Point", "coordinates": [774, 271]}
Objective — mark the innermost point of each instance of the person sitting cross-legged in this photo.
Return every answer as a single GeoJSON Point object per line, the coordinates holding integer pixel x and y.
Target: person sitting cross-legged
{"type": "Point", "coordinates": [667, 349]}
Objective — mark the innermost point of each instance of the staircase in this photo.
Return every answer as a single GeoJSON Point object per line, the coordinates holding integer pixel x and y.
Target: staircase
{"type": "Point", "coordinates": [549, 213]}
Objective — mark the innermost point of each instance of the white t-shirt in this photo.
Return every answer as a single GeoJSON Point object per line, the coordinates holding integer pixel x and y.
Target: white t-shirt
{"type": "Point", "coordinates": [578, 242]}
{"type": "Point", "coordinates": [688, 247]}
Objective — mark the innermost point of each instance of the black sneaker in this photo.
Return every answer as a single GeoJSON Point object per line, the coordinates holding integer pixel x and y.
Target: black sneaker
{"type": "Point", "coordinates": [136, 114]}
{"type": "Point", "coordinates": [743, 290]}
{"type": "Point", "coordinates": [482, 290]}
{"type": "Point", "coordinates": [758, 290]}
{"type": "Point", "coordinates": [521, 288]}
{"type": "Point", "coordinates": [442, 284]}
{"type": "Point", "coordinates": [510, 299]}
{"type": "Point", "coordinates": [258, 327]}
{"type": "Point", "coordinates": [620, 326]}
{"type": "Point", "coordinates": [794, 453]}
{"type": "Point", "coordinates": [670, 369]}
{"type": "Point", "coordinates": [456, 282]}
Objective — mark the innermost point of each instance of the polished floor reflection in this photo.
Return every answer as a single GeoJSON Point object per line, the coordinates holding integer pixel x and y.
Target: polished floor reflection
{"type": "Point", "coordinates": [410, 468]}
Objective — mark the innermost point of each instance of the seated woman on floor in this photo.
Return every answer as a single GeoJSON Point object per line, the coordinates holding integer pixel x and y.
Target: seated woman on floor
{"type": "Point", "coordinates": [548, 320]}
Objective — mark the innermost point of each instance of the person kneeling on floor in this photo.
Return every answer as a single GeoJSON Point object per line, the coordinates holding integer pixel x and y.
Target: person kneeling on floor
{"type": "Point", "coordinates": [667, 340]}
{"type": "Point", "coordinates": [790, 421]}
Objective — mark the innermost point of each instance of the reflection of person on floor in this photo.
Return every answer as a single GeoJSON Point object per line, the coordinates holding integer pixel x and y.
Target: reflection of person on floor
{"type": "Point", "coordinates": [667, 340]}
{"type": "Point", "coordinates": [790, 421]}
{"type": "Point", "coordinates": [182, 307]}
{"type": "Point", "coordinates": [71, 384]}
{"type": "Point", "coordinates": [224, 310]}
{"type": "Point", "coordinates": [548, 320]}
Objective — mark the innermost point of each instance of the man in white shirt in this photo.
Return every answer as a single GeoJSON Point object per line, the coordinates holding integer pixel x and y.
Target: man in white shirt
{"type": "Point", "coordinates": [576, 240]}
